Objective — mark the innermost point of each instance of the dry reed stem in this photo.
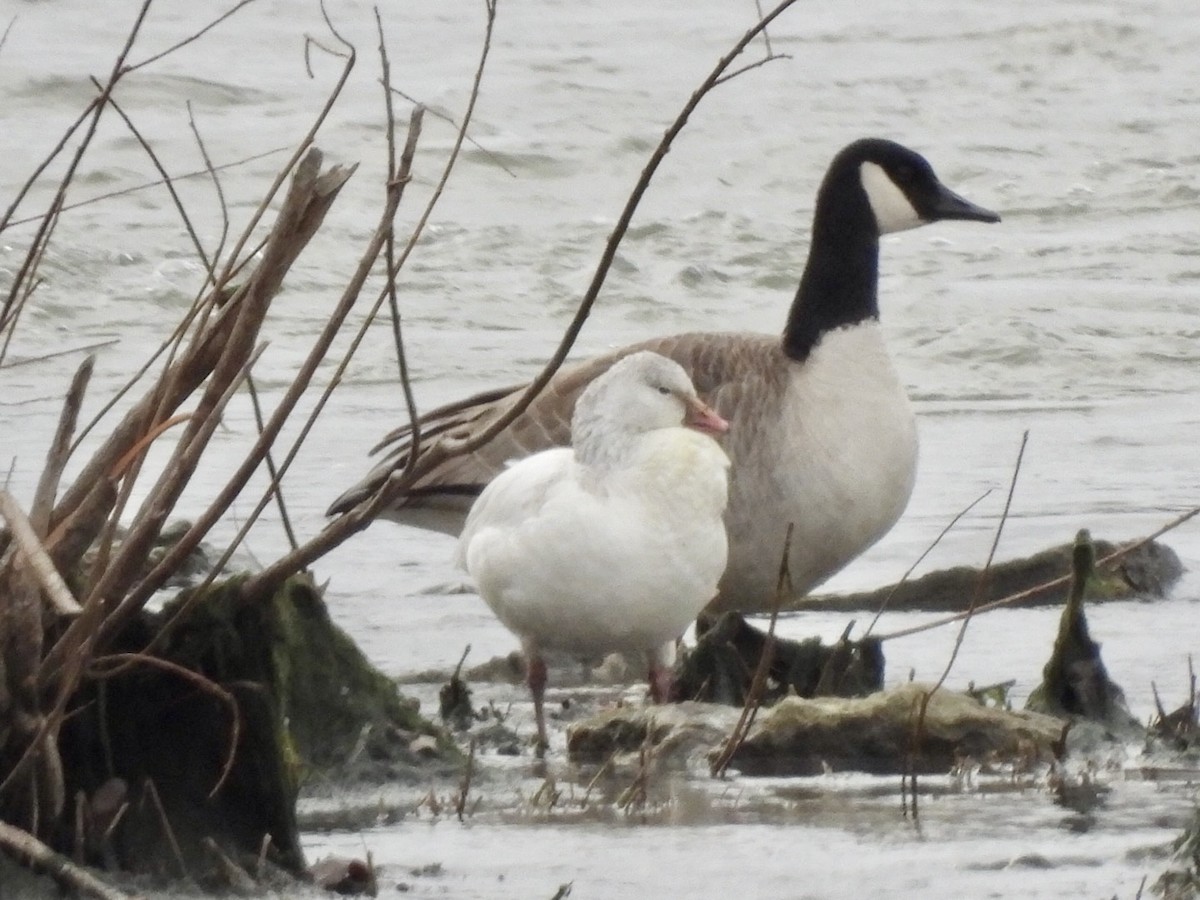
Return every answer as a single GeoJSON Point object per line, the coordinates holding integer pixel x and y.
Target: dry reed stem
{"type": "Point", "coordinates": [60, 449]}
{"type": "Point", "coordinates": [34, 854]}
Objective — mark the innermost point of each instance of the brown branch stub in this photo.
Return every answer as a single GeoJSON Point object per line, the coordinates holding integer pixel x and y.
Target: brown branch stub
{"type": "Point", "coordinates": [59, 596]}
{"type": "Point", "coordinates": [25, 846]}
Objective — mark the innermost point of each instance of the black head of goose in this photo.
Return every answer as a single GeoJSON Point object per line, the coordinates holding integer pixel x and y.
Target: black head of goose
{"type": "Point", "coordinates": [873, 187]}
{"type": "Point", "coordinates": [822, 432]}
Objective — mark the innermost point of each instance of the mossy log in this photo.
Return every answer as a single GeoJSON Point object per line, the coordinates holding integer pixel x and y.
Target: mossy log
{"type": "Point", "coordinates": [1149, 571]}
{"type": "Point", "coordinates": [799, 736]}
{"type": "Point", "coordinates": [305, 698]}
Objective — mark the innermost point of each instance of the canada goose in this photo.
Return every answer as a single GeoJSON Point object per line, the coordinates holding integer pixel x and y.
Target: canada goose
{"type": "Point", "coordinates": [615, 543]}
{"type": "Point", "coordinates": [822, 436]}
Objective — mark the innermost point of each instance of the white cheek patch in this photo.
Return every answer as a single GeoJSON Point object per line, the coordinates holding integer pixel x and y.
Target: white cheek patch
{"type": "Point", "coordinates": [892, 209]}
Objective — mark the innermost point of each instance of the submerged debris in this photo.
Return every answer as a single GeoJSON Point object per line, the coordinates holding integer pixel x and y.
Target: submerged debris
{"type": "Point", "coordinates": [1075, 683]}
{"type": "Point", "coordinates": [727, 652]}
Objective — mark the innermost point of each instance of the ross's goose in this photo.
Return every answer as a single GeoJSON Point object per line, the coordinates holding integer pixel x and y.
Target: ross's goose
{"type": "Point", "coordinates": [823, 434]}
{"type": "Point", "coordinates": [615, 543]}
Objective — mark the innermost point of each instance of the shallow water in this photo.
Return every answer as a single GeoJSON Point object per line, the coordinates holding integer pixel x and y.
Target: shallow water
{"type": "Point", "coordinates": [1074, 319]}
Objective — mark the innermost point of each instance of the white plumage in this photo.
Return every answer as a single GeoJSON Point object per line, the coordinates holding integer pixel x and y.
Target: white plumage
{"type": "Point", "coordinates": [617, 542]}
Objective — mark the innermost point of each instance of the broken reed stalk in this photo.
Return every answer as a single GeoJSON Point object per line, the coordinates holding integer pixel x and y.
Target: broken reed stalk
{"type": "Point", "coordinates": [759, 683]}
{"type": "Point", "coordinates": [1114, 557]}
{"type": "Point", "coordinates": [918, 730]}
{"type": "Point", "coordinates": [60, 598]}
{"type": "Point", "coordinates": [150, 790]}
{"type": "Point", "coordinates": [60, 449]}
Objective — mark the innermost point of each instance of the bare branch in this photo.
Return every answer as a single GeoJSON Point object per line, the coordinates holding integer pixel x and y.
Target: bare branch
{"type": "Point", "coordinates": [30, 360]}
{"type": "Point", "coordinates": [609, 254]}
{"type": "Point", "coordinates": [195, 37]}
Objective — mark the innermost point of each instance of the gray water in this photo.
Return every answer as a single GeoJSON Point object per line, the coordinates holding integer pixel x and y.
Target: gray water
{"type": "Point", "coordinates": [1074, 319]}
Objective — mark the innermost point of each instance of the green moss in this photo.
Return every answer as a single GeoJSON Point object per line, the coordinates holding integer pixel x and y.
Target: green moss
{"type": "Point", "coordinates": [323, 690]}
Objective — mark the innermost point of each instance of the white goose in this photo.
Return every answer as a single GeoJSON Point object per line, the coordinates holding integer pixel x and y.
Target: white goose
{"type": "Point", "coordinates": [823, 434]}
{"type": "Point", "coordinates": [616, 543]}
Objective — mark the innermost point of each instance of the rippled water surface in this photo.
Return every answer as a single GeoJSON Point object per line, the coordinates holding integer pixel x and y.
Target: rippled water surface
{"type": "Point", "coordinates": [1075, 319]}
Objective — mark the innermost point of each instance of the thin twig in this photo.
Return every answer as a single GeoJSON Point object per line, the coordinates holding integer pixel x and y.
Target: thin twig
{"type": "Point", "coordinates": [6, 219]}
{"type": "Point", "coordinates": [167, 181]}
{"type": "Point", "coordinates": [276, 486]}
{"type": "Point", "coordinates": [149, 789]}
{"type": "Point", "coordinates": [30, 360]}
{"type": "Point", "coordinates": [438, 114]}
{"type": "Point", "coordinates": [918, 730]}
{"type": "Point", "coordinates": [759, 682]}
{"type": "Point", "coordinates": [146, 185]}
{"type": "Point", "coordinates": [937, 540]}
{"type": "Point", "coordinates": [393, 267]}
{"type": "Point", "coordinates": [610, 250]}
{"type": "Point", "coordinates": [220, 191]}
{"type": "Point", "coordinates": [37, 245]}
{"type": "Point", "coordinates": [8, 28]}
{"type": "Point", "coordinates": [985, 572]}
{"type": "Point", "coordinates": [199, 34]}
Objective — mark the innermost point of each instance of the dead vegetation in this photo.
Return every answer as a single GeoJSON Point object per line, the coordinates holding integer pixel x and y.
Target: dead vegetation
{"type": "Point", "coordinates": [79, 565]}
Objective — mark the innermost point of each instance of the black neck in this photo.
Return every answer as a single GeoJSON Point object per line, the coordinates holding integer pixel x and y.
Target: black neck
{"type": "Point", "coordinates": [840, 281]}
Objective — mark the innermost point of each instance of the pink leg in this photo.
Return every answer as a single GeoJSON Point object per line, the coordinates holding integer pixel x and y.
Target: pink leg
{"type": "Point", "coordinates": [660, 684]}
{"type": "Point", "coordinates": [662, 661]}
{"type": "Point", "coordinates": [535, 677]}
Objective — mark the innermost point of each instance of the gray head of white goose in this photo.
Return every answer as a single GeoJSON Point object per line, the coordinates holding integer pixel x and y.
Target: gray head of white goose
{"type": "Point", "coordinates": [873, 187]}
{"type": "Point", "coordinates": [643, 392]}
